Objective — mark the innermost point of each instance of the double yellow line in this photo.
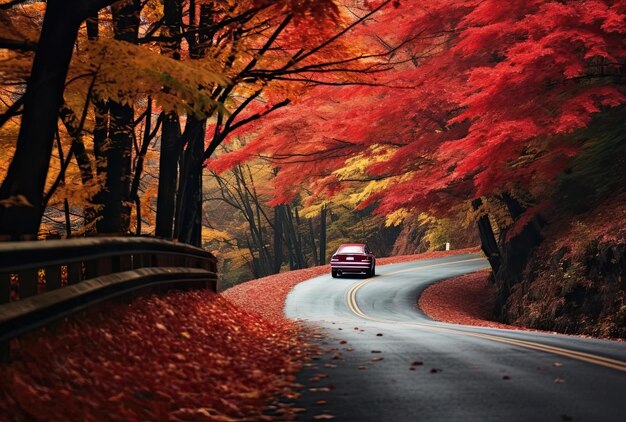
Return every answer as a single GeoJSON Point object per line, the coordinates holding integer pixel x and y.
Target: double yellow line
{"type": "Point", "coordinates": [572, 354]}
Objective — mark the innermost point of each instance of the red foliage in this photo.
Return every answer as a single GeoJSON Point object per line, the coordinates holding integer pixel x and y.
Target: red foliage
{"type": "Point", "coordinates": [485, 97]}
{"type": "Point", "coordinates": [182, 356]}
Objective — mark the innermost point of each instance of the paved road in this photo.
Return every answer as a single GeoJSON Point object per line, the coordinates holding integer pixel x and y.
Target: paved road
{"type": "Point", "coordinates": [468, 373]}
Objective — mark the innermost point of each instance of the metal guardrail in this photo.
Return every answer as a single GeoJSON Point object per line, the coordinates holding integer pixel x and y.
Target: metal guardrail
{"type": "Point", "coordinates": [44, 281]}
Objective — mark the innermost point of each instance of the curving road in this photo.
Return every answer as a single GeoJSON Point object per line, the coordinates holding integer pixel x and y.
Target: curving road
{"type": "Point", "coordinates": [468, 373]}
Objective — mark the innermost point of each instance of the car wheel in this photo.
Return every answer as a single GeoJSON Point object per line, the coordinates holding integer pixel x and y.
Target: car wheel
{"type": "Point", "coordinates": [334, 274]}
{"type": "Point", "coordinates": [373, 272]}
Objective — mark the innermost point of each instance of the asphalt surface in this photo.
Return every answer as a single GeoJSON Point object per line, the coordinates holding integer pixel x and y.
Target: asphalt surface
{"type": "Point", "coordinates": [466, 373]}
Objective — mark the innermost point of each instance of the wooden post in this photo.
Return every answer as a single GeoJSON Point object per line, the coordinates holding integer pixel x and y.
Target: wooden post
{"type": "Point", "coordinates": [91, 269]}
{"type": "Point", "coordinates": [28, 280]}
{"type": "Point", "coordinates": [53, 277]}
{"type": "Point", "coordinates": [5, 351]}
{"type": "Point", "coordinates": [125, 263]}
{"type": "Point", "coordinates": [74, 273]}
{"type": "Point", "coordinates": [5, 288]}
{"type": "Point", "coordinates": [104, 266]}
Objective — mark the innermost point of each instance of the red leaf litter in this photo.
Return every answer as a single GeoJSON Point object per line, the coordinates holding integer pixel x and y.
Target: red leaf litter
{"type": "Point", "coordinates": [467, 300]}
{"type": "Point", "coordinates": [266, 296]}
{"type": "Point", "coordinates": [183, 356]}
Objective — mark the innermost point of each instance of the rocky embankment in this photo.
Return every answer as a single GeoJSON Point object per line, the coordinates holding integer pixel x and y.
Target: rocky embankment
{"type": "Point", "coordinates": [575, 282]}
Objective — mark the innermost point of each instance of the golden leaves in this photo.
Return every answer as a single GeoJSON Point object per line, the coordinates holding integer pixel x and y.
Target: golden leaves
{"type": "Point", "coordinates": [397, 217]}
{"type": "Point", "coordinates": [125, 71]}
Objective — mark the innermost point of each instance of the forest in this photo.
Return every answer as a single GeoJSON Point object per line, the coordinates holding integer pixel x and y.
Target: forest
{"type": "Point", "coordinates": [271, 131]}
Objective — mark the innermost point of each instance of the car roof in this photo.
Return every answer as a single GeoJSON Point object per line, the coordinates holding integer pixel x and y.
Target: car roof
{"type": "Point", "coordinates": [353, 244]}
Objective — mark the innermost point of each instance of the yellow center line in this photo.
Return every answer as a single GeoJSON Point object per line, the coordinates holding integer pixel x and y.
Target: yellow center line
{"type": "Point", "coordinates": [572, 354]}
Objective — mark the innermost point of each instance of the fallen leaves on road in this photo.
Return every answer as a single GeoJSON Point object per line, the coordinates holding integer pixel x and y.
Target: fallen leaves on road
{"type": "Point", "coordinates": [321, 389]}
{"type": "Point", "coordinates": [324, 416]}
{"type": "Point", "coordinates": [318, 377]}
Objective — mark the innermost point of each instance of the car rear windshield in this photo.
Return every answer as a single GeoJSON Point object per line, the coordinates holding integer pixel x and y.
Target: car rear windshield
{"type": "Point", "coordinates": [350, 249]}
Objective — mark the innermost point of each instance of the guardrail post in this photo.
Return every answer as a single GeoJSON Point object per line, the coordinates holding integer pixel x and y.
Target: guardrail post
{"type": "Point", "coordinates": [91, 269]}
{"type": "Point", "coordinates": [28, 280]}
{"type": "Point", "coordinates": [137, 260]}
{"type": "Point", "coordinates": [178, 261]}
{"type": "Point", "coordinates": [5, 287]}
{"type": "Point", "coordinates": [104, 266]}
{"type": "Point", "coordinates": [163, 260]}
{"type": "Point", "coordinates": [74, 273]}
{"type": "Point", "coordinates": [5, 351]}
{"type": "Point", "coordinates": [147, 260]}
{"type": "Point", "coordinates": [126, 263]}
{"type": "Point", "coordinates": [53, 277]}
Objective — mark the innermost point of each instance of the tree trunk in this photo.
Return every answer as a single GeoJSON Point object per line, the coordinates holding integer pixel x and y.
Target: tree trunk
{"type": "Point", "coordinates": [100, 133]}
{"type": "Point", "coordinates": [316, 260]}
{"type": "Point", "coordinates": [168, 176]}
{"type": "Point", "coordinates": [323, 236]}
{"type": "Point", "coordinates": [21, 193]}
{"type": "Point", "coordinates": [116, 196]}
{"type": "Point", "coordinates": [188, 225]}
{"type": "Point", "coordinates": [488, 242]}
{"type": "Point", "coordinates": [515, 254]}
{"type": "Point", "coordinates": [85, 166]}
{"type": "Point", "coordinates": [189, 195]}
{"type": "Point", "coordinates": [278, 239]}
{"type": "Point", "coordinates": [170, 135]}
{"type": "Point", "coordinates": [292, 238]}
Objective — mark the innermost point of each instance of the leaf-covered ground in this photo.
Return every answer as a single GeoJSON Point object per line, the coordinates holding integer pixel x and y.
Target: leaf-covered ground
{"type": "Point", "coordinates": [181, 356]}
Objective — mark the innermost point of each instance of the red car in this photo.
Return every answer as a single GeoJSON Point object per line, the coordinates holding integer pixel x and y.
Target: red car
{"type": "Point", "coordinates": [353, 258]}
